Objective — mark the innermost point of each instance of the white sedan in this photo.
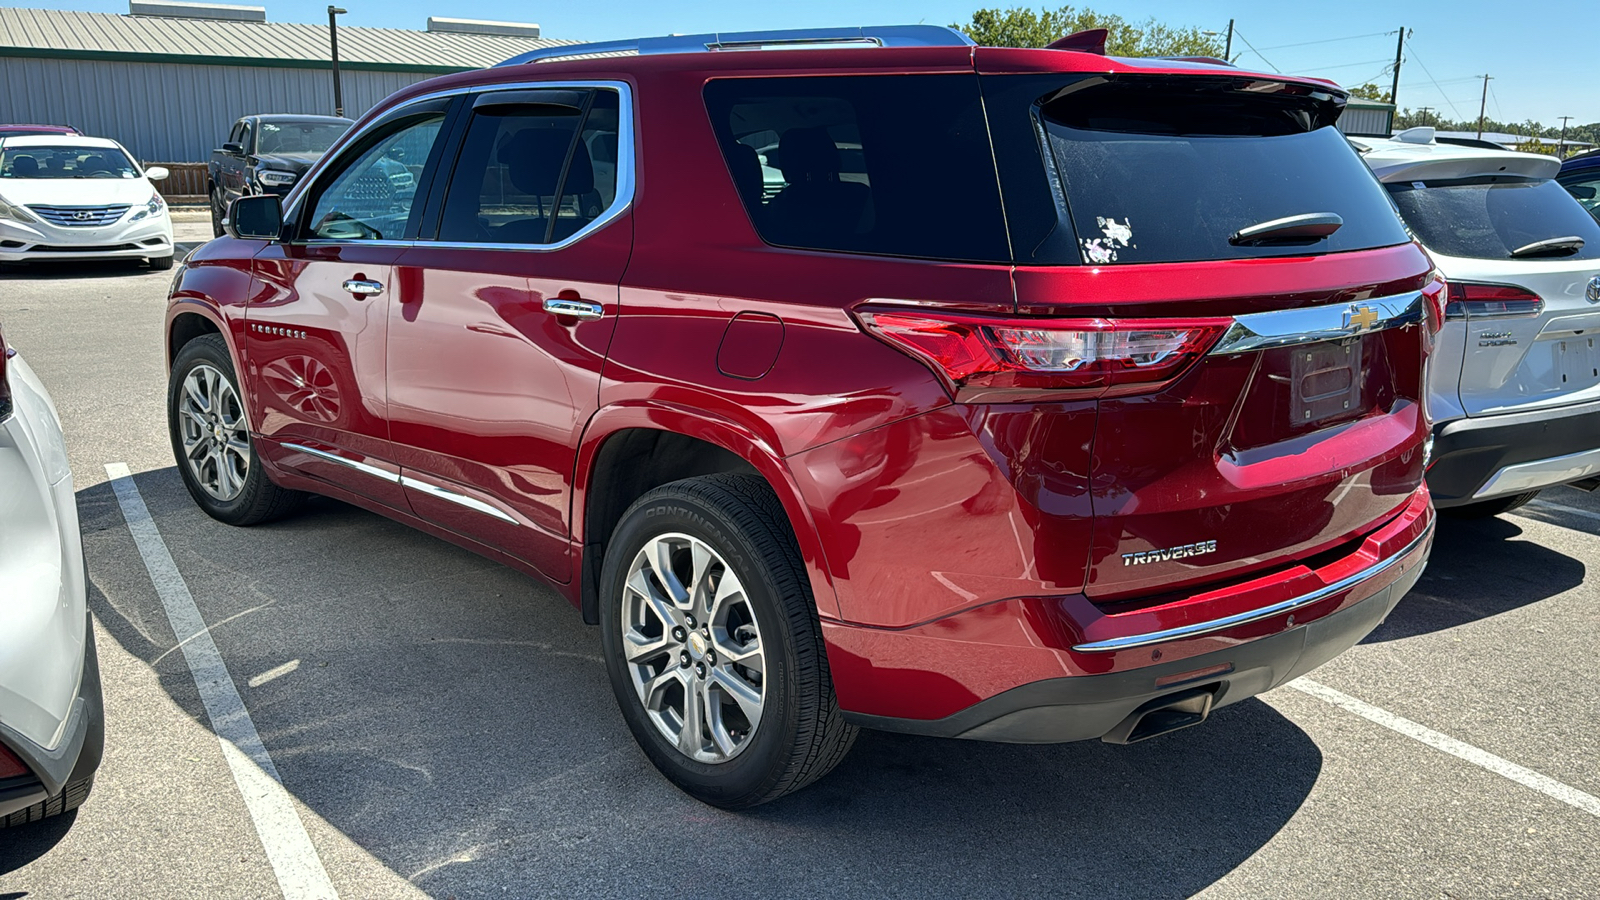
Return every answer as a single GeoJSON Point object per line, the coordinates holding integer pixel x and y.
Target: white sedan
{"type": "Point", "coordinates": [51, 724]}
{"type": "Point", "coordinates": [73, 197]}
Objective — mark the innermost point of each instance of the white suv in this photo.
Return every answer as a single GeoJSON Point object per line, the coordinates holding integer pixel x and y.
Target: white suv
{"type": "Point", "coordinates": [1514, 387]}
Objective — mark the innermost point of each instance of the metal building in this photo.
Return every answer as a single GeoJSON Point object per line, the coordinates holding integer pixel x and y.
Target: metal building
{"type": "Point", "coordinates": [1366, 118]}
{"type": "Point", "coordinates": [169, 79]}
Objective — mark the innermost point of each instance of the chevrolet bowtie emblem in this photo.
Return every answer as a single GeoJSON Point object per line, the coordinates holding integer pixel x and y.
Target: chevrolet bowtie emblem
{"type": "Point", "coordinates": [1360, 318]}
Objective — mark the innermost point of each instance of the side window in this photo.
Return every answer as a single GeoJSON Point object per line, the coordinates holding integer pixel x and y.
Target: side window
{"type": "Point", "coordinates": [1585, 186]}
{"type": "Point", "coordinates": [233, 133]}
{"type": "Point", "coordinates": [371, 198]}
{"type": "Point", "coordinates": [244, 138]}
{"type": "Point", "coordinates": [864, 164]}
{"type": "Point", "coordinates": [533, 173]}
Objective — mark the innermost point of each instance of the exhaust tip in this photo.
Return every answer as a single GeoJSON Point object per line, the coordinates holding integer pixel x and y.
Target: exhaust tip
{"type": "Point", "coordinates": [1163, 715]}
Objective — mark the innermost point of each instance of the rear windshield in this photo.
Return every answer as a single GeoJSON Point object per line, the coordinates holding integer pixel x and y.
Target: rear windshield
{"type": "Point", "coordinates": [1149, 169]}
{"type": "Point", "coordinates": [886, 165]}
{"type": "Point", "coordinates": [1488, 219]}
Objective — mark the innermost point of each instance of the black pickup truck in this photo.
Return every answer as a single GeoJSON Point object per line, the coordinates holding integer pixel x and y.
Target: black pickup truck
{"type": "Point", "coordinates": [267, 155]}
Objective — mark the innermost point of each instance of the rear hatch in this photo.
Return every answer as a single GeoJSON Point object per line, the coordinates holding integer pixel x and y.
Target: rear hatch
{"type": "Point", "coordinates": [1521, 255]}
{"type": "Point", "coordinates": [1223, 234]}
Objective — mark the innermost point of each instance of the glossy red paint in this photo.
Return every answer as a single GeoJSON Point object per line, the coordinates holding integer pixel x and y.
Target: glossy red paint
{"type": "Point", "coordinates": [955, 550]}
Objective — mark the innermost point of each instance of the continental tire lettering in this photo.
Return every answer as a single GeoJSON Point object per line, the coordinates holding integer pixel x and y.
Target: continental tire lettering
{"type": "Point", "coordinates": [1184, 551]}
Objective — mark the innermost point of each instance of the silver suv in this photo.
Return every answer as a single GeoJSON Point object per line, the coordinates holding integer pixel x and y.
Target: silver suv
{"type": "Point", "coordinates": [1514, 386]}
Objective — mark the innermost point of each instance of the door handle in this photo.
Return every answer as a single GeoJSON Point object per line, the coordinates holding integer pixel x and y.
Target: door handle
{"type": "Point", "coordinates": [363, 288]}
{"type": "Point", "coordinates": [578, 309]}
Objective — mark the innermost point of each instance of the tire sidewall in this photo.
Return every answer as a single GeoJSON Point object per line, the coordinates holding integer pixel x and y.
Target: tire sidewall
{"type": "Point", "coordinates": [760, 763]}
{"type": "Point", "coordinates": [212, 351]}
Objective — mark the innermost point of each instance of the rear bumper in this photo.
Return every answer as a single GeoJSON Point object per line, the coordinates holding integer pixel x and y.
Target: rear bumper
{"type": "Point", "coordinates": [1045, 670]}
{"type": "Point", "coordinates": [77, 755]}
{"type": "Point", "coordinates": [1486, 457]}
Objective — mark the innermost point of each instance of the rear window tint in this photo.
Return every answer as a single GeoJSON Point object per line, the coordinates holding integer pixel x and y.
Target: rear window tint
{"type": "Point", "coordinates": [1489, 219]}
{"type": "Point", "coordinates": [897, 165]}
{"type": "Point", "coordinates": [1152, 169]}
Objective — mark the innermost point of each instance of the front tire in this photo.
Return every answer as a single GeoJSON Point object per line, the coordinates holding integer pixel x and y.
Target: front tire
{"type": "Point", "coordinates": [70, 798]}
{"type": "Point", "coordinates": [160, 263]}
{"type": "Point", "coordinates": [216, 213]}
{"type": "Point", "coordinates": [211, 439]}
{"type": "Point", "coordinates": [713, 646]}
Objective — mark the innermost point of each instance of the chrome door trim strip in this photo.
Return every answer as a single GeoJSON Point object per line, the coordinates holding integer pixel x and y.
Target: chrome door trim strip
{"type": "Point", "coordinates": [363, 468]}
{"type": "Point", "coordinates": [446, 494]}
{"type": "Point", "coordinates": [1198, 628]}
{"type": "Point", "coordinates": [1313, 324]}
{"type": "Point", "coordinates": [620, 202]}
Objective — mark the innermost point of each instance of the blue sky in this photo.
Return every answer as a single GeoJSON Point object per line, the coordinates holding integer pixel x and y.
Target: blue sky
{"type": "Point", "coordinates": [1543, 67]}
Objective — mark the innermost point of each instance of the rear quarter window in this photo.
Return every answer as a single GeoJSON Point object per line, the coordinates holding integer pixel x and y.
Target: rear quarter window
{"type": "Point", "coordinates": [1104, 170]}
{"type": "Point", "coordinates": [898, 165]}
{"type": "Point", "coordinates": [1489, 218]}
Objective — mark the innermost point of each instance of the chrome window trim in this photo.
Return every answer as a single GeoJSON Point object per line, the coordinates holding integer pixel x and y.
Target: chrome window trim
{"type": "Point", "coordinates": [1313, 324]}
{"type": "Point", "coordinates": [363, 468]}
{"type": "Point", "coordinates": [1266, 612]}
{"type": "Point", "coordinates": [621, 201]}
{"type": "Point", "coordinates": [459, 499]}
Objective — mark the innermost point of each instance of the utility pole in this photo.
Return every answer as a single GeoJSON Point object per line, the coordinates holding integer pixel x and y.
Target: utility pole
{"type": "Point", "coordinates": [1399, 52]}
{"type": "Point", "coordinates": [1227, 52]}
{"type": "Point", "coordinates": [1561, 149]}
{"type": "Point", "coordinates": [333, 41]}
{"type": "Point", "coordinates": [1423, 111]}
{"type": "Point", "coordinates": [1483, 105]}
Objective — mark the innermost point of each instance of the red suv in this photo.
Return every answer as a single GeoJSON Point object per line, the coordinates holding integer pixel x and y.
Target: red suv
{"type": "Point", "coordinates": [849, 379]}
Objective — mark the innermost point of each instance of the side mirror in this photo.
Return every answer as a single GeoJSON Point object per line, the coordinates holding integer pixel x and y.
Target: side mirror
{"type": "Point", "coordinates": [1582, 191]}
{"type": "Point", "coordinates": [255, 218]}
{"type": "Point", "coordinates": [157, 173]}
{"type": "Point", "coordinates": [233, 148]}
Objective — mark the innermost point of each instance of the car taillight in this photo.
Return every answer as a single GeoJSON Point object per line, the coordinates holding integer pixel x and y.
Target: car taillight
{"type": "Point", "coordinates": [979, 355]}
{"type": "Point", "coordinates": [1434, 303]}
{"type": "Point", "coordinates": [1470, 300]}
{"type": "Point", "coordinates": [10, 766]}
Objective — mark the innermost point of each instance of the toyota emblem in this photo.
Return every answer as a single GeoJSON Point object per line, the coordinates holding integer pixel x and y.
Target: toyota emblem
{"type": "Point", "coordinates": [1593, 293]}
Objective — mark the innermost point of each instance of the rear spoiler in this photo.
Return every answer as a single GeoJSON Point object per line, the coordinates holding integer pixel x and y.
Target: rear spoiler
{"type": "Point", "coordinates": [1434, 162]}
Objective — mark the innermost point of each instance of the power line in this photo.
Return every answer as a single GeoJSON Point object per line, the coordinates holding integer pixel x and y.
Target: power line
{"type": "Point", "coordinates": [1365, 62]}
{"type": "Point", "coordinates": [1240, 35]}
{"type": "Point", "coordinates": [1353, 37]}
{"type": "Point", "coordinates": [1497, 110]}
{"type": "Point", "coordinates": [1435, 81]}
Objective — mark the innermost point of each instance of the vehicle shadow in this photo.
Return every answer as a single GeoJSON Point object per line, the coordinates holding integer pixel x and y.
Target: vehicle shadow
{"type": "Point", "coordinates": [25, 843]}
{"type": "Point", "coordinates": [454, 720]}
{"type": "Point", "coordinates": [74, 270]}
{"type": "Point", "coordinates": [1477, 570]}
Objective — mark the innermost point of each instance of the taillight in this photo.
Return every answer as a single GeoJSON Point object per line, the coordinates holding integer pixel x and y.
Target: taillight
{"type": "Point", "coordinates": [1470, 300]}
{"type": "Point", "coordinates": [1434, 303]}
{"type": "Point", "coordinates": [978, 355]}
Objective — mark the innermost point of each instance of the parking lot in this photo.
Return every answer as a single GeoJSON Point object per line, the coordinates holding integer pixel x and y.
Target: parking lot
{"type": "Point", "coordinates": [443, 726]}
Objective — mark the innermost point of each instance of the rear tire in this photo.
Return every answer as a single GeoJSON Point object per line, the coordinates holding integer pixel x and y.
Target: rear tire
{"type": "Point", "coordinates": [735, 632]}
{"type": "Point", "coordinates": [1488, 508]}
{"type": "Point", "coordinates": [211, 440]}
{"type": "Point", "coordinates": [69, 799]}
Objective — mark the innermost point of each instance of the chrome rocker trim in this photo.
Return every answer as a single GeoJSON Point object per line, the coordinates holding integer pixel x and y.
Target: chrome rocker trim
{"type": "Point", "coordinates": [431, 490]}
{"type": "Point", "coordinates": [1265, 612]}
{"type": "Point", "coordinates": [363, 468]}
{"type": "Point", "coordinates": [1313, 324]}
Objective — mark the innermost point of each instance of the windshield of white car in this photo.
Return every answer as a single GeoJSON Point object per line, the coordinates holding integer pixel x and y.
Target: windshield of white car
{"type": "Point", "coordinates": [298, 137]}
{"type": "Point", "coordinates": [66, 162]}
{"type": "Point", "coordinates": [1494, 217]}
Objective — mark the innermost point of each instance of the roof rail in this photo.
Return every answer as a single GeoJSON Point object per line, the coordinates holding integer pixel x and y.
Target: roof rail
{"type": "Point", "coordinates": [793, 39]}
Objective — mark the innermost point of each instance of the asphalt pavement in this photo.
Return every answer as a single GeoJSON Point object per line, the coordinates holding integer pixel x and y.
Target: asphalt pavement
{"type": "Point", "coordinates": [442, 726]}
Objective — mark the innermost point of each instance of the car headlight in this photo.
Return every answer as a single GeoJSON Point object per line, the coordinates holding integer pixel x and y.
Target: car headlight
{"type": "Point", "coordinates": [14, 212]}
{"type": "Point", "coordinates": [152, 207]}
{"type": "Point", "coordinates": [275, 178]}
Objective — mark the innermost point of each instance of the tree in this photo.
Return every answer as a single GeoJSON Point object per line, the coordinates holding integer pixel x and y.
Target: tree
{"type": "Point", "coordinates": [1024, 27]}
{"type": "Point", "coordinates": [1370, 91]}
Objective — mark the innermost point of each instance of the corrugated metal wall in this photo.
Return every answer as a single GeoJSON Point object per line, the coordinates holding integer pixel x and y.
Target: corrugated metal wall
{"type": "Point", "coordinates": [175, 113]}
{"type": "Point", "coordinates": [1371, 122]}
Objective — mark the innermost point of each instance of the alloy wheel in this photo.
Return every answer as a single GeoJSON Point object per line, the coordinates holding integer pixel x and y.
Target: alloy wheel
{"type": "Point", "coordinates": [693, 648]}
{"type": "Point", "coordinates": [216, 444]}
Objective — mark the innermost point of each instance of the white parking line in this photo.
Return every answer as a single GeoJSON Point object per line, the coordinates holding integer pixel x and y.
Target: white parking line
{"type": "Point", "coordinates": [294, 860]}
{"type": "Point", "coordinates": [1481, 758]}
